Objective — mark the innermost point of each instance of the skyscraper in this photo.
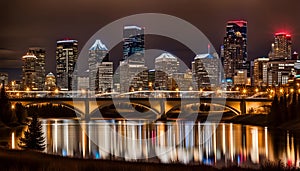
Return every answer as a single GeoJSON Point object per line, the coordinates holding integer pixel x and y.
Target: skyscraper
{"type": "Point", "coordinates": [40, 54]}
{"type": "Point", "coordinates": [280, 62]}
{"type": "Point", "coordinates": [206, 70]}
{"type": "Point", "coordinates": [133, 72]}
{"type": "Point", "coordinates": [66, 57]}
{"type": "Point", "coordinates": [98, 54]}
{"type": "Point", "coordinates": [282, 47]}
{"type": "Point", "coordinates": [234, 52]}
{"type": "Point", "coordinates": [29, 74]}
{"type": "Point", "coordinates": [165, 66]}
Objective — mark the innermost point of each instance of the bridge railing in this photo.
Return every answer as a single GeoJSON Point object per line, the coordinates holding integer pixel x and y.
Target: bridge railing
{"type": "Point", "coordinates": [134, 94]}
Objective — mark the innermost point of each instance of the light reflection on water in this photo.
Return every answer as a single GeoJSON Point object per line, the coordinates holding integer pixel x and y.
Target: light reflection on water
{"type": "Point", "coordinates": [119, 140]}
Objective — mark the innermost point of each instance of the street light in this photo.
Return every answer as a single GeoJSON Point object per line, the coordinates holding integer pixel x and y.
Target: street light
{"type": "Point", "coordinates": [281, 90]}
{"type": "Point", "coordinates": [256, 90]}
{"type": "Point", "coordinates": [291, 90]}
{"type": "Point", "coordinates": [244, 91]}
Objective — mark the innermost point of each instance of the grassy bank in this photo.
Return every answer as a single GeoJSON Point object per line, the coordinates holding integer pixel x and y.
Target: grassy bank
{"type": "Point", "coordinates": [31, 161]}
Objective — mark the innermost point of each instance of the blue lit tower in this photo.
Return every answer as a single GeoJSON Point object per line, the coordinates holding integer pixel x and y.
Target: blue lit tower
{"type": "Point", "coordinates": [235, 48]}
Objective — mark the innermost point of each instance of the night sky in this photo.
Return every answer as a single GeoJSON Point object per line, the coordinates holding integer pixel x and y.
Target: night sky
{"type": "Point", "coordinates": [42, 22]}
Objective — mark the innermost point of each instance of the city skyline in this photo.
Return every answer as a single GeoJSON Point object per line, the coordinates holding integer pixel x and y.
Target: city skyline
{"type": "Point", "coordinates": [40, 32]}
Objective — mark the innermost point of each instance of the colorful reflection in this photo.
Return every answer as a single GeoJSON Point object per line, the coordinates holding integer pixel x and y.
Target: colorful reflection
{"type": "Point", "coordinates": [185, 142]}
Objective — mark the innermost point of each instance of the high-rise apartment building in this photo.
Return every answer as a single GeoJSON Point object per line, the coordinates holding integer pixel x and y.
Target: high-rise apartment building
{"type": "Point", "coordinates": [133, 72]}
{"type": "Point", "coordinates": [66, 57]}
{"type": "Point", "coordinates": [40, 55]}
{"type": "Point", "coordinates": [29, 73]}
{"type": "Point", "coordinates": [234, 49]}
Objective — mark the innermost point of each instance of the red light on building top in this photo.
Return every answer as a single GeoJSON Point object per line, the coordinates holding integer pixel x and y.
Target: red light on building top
{"type": "Point", "coordinates": [282, 33]}
{"type": "Point", "coordinates": [238, 22]}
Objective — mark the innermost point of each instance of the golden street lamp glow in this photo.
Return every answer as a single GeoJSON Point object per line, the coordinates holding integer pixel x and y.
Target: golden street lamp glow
{"type": "Point", "coordinates": [140, 89]}
{"type": "Point", "coordinates": [177, 89]}
{"type": "Point", "coordinates": [244, 91]}
{"type": "Point", "coordinates": [27, 89]}
{"type": "Point", "coordinates": [281, 90]}
{"type": "Point", "coordinates": [272, 91]}
{"type": "Point", "coordinates": [190, 88]}
{"type": "Point", "coordinates": [56, 91]}
{"type": "Point", "coordinates": [291, 90]}
{"type": "Point", "coordinates": [201, 90]}
{"type": "Point", "coordinates": [12, 107]}
{"type": "Point", "coordinates": [256, 90]}
{"type": "Point", "coordinates": [237, 89]}
{"type": "Point", "coordinates": [298, 90]}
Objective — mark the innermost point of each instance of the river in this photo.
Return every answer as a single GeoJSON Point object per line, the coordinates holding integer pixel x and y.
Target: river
{"type": "Point", "coordinates": [222, 144]}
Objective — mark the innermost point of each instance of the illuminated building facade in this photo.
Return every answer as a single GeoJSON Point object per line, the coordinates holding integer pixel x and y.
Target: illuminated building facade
{"type": "Point", "coordinates": [281, 64]}
{"type": "Point", "coordinates": [29, 74]}
{"type": "Point", "coordinates": [260, 71]}
{"type": "Point", "coordinates": [100, 68]}
{"type": "Point", "coordinates": [282, 47]}
{"type": "Point", "coordinates": [234, 49]}
{"type": "Point", "coordinates": [133, 72]}
{"type": "Point", "coordinates": [40, 55]}
{"type": "Point", "coordinates": [166, 65]}
{"type": "Point", "coordinates": [50, 82]}
{"type": "Point", "coordinates": [66, 57]}
{"type": "Point", "coordinates": [206, 70]}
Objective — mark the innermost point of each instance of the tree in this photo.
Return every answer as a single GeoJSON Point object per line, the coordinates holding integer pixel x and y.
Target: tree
{"type": "Point", "coordinates": [34, 138]}
{"type": "Point", "coordinates": [273, 116]}
{"type": "Point", "coordinates": [6, 114]}
{"type": "Point", "coordinates": [20, 112]}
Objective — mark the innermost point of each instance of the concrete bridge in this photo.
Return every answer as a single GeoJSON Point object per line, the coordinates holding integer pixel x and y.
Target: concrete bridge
{"type": "Point", "coordinates": [159, 106]}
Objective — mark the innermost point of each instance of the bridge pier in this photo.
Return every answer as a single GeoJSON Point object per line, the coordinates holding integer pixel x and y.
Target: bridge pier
{"type": "Point", "coordinates": [243, 106]}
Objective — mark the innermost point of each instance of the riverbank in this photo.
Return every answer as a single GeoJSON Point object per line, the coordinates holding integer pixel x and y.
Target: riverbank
{"type": "Point", "coordinates": [262, 120]}
{"type": "Point", "coordinates": [31, 160]}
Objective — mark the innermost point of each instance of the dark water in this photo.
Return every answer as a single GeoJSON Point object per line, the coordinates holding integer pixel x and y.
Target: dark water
{"type": "Point", "coordinates": [168, 142]}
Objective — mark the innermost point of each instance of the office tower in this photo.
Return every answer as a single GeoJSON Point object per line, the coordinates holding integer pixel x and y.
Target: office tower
{"type": "Point", "coordinates": [206, 70]}
{"type": "Point", "coordinates": [98, 53]}
{"type": "Point", "coordinates": [29, 74]}
{"type": "Point", "coordinates": [260, 72]}
{"type": "Point", "coordinates": [66, 57]}
{"type": "Point", "coordinates": [280, 63]}
{"type": "Point", "coordinates": [50, 82]}
{"type": "Point", "coordinates": [165, 66]}
{"type": "Point", "coordinates": [282, 47]}
{"type": "Point", "coordinates": [40, 55]}
{"type": "Point", "coordinates": [234, 52]}
{"type": "Point", "coordinates": [133, 72]}
{"type": "Point", "coordinates": [133, 44]}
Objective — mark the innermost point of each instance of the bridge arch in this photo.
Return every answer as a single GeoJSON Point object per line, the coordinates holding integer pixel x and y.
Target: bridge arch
{"type": "Point", "coordinates": [127, 103]}
{"type": "Point", "coordinates": [235, 111]}
{"type": "Point", "coordinates": [67, 105]}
